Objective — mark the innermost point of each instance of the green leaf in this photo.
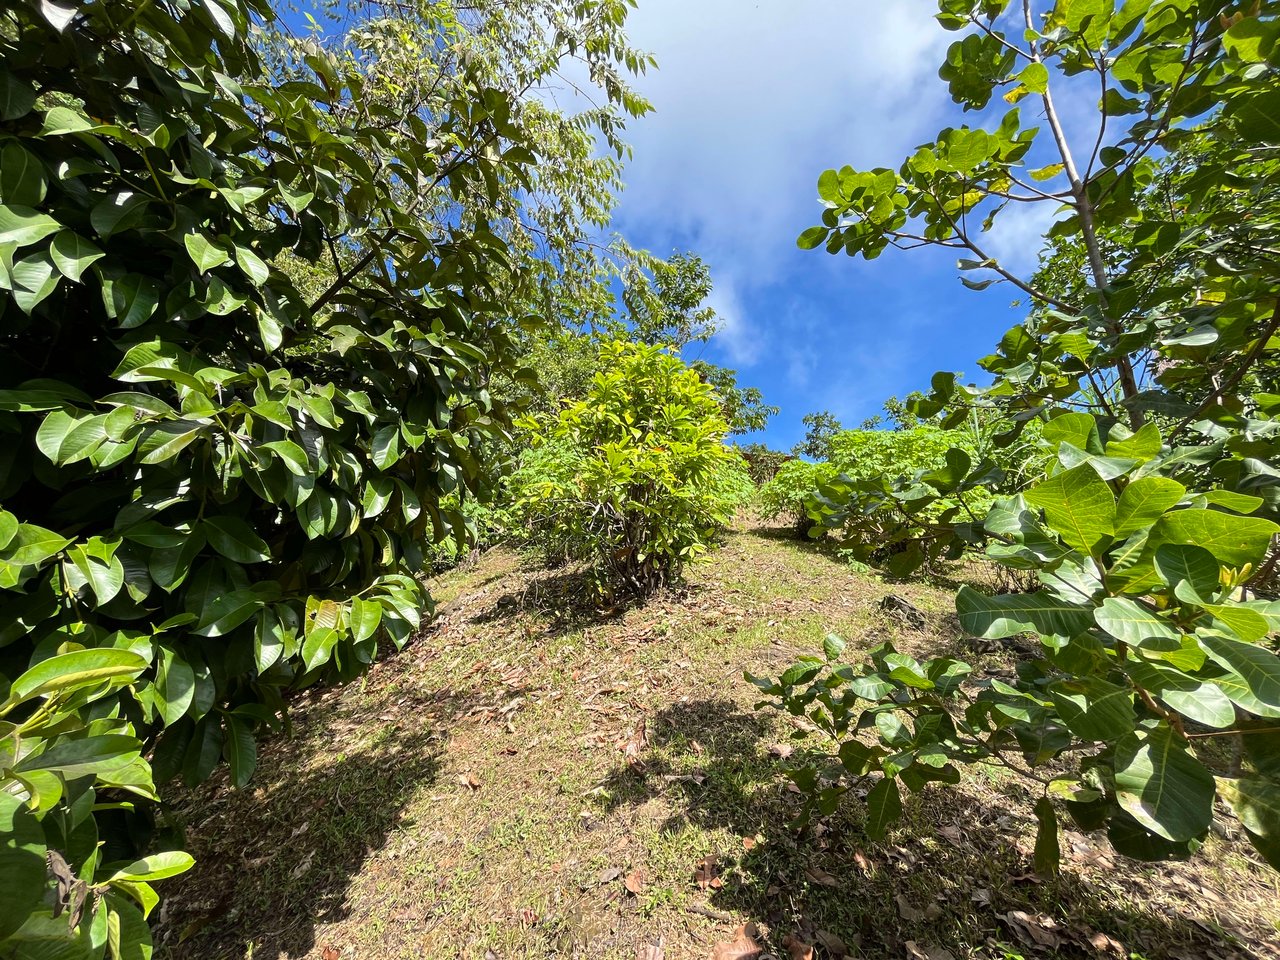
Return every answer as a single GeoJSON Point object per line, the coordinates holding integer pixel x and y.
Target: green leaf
{"type": "Point", "coordinates": [22, 863]}
{"type": "Point", "coordinates": [1162, 786]}
{"type": "Point", "coordinates": [1080, 506]}
{"type": "Point", "coordinates": [813, 237]}
{"type": "Point", "coordinates": [1145, 501]}
{"type": "Point", "coordinates": [16, 100]}
{"type": "Point", "coordinates": [1009, 614]}
{"type": "Point", "coordinates": [832, 646]}
{"type": "Point", "coordinates": [22, 179]}
{"type": "Point", "coordinates": [1256, 801]}
{"type": "Point", "coordinates": [175, 685]}
{"type": "Point", "coordinates": [241, 751]}
{"type": "Point", "coordinates": [1048, 854]}
{"type": "Point", "coordinates": [1094, 709]}
{"type": "Point", "coordinates": [205, 253]}
{"type": "Point", "coordinates": [1249, 625]}
{"type": "Point", "coordinates": [130, 300]}
{"type": "Point", "coordinates": [1202, 701]}
{"type": "Point", "coordinates": [233, 538]}
{"type": "Point", "coordinates": [22, 226]}
{"type": "Point", "coordinates": [80, 668]}
{"type": "Point", "coordinates": [1035, 77]}
{"type": "Point", "coordinates": [32, 545]}
{"type": "Point", "coordinates": [884, 807]}
{"type": "Point", "coordinates": [34, 279]}
{"type": "Point", "coordinates": [1257, 668]}
{"type": "Point", "coordinates": [1233, 539]}
{"type": "Point", "coordinates": [73, 254]}
{"type": "Point", "coordinates": [158, 866]}
{"type": "Point", "coordinates": [366, 615]}
{"type": "Point", "coordinates": [1179, 563]}
{"type": "Point", "coordinates": [1130, 622]}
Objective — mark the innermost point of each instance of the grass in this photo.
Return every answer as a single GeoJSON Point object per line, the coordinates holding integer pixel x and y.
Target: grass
{"type": "Point", "coordinates": [471, 797]}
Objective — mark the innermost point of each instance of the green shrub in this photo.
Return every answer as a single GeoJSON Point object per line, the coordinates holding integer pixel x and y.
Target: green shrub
{"type": "Point", "coordinates": [634, 478]}
{"type": "Point", "coordinates": [1148, 652]}
{"type": "Point", "coordinates": [792, 490]}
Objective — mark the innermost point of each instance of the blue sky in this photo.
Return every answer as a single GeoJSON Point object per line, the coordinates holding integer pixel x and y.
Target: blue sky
{"type": "Point", "coordinates": [752, 102]}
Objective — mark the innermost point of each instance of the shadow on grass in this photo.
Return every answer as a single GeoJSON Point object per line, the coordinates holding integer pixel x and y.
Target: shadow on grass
{"type": "Point", "coordinates": [955, 889]}
{"type": "Point", "coordinates": [277, 859]}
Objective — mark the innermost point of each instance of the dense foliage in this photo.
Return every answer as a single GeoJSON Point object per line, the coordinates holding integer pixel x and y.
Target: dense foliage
{"type": "Point", "coordinates": [249, 309]}
{"type": "Point", "coordinates": [635, 477]}
{"type": "Point", "coordinates": [1150, 357]}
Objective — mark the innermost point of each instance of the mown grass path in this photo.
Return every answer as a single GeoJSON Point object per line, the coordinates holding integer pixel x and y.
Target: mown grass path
{"type": "Point", "coordinates": [536, 777]}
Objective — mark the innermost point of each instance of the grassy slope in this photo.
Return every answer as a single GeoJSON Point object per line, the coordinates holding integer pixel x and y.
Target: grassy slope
{"type": "Point", "coordinates": [472, 798]}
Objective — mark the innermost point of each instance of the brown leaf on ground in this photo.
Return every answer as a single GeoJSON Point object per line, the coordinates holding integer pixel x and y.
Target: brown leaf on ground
{"type": "Point", "coordinates": [821, 877]}
{"type": "Point", "coordinates": [917, 952]}
{"type": "Point", "coordinates": [1038, 929]}
{"type": "Point", "coordinates": [781, 750]}
{"type": "Point", "coordinates": [831, 943]}
{"type": "Point", "coordinates": [469, 780]}
{"type": "Point", "coordinates": [635, 881]}
{"type": "Point", "coordinates": [329, 953]}
{"type": "Point", "coordinates": [651, 951]}
{"type": "Point", "coordinates": [907, 911]}
{"type": "Point", "coordinates": [742, 947]}
{"type": "Point", "coordinates": [861, 862]}
{"type": "Point", "coordinates": [608, 875]}
{"type": "Point", "coordinates": [1106, 945]}
{"type": "Point", "coordinates": [706, 873]}
{"type": "Point", "coordinates": [796, 948]}
{"type": "Point", "coordinates": [634, 745]}
{"type": "Point", "coordinates": [748, 843]}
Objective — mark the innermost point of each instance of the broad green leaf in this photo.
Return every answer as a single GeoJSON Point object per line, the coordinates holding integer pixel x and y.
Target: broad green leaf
{"type": "Point", "coordinates": [73, 254]}
{"type": "Point", "coordinates": [1249, 625]}
{"type": "Point", "coordinates": [1094, 709]}
{"type": "Point", "coordinates": [1145, 501]}
{"type": "Point", "coordinates": [1141, 446]}
{"type": "Point", "coordinates": [22, 863]}
{"type": "Point", "coordinates": [175, 685]}
{"type": "Point", "coordinates": [1048, 854]}
{"type": "Point", "coordinates": [1233, 539]}
{"type": "Point", "coordinates": [1200, 700]}
{"type": "Point", "coordinates": [205, 253]}
{"type": "Point", "coordinates": [240, 750]}
{"type": "Point", "coordinates": [1256, 801]}
{"type": "Point", "coordinates": [96, 755]}
{"type": "Point", "coordinates": [17, 97]}
{"type": "Point", "coordinates": [233, 538]}
{"type": "Point", "coordinates": [21, 226]}
{"type": "Point", "coordinates": [1162, 786]}
{"type": "Point", "coordinates": [1257, 667]}
{"type": "Point", "coordinates": [1009, 614]}
{"type": "Point", "coordinates": [158, 866]}
{"type": "Point", "coordinates": [22, 179]}
{"type": "Point", "coordinates": [1190, 565]}
{"type": "Point", "coordinates": [1130, 622]}
{"type": "Point", "coordinates": [884, 807]}
{"type": "Point", "coordinates": [366, 615]}
{"type": "Point", "coordinates": [32, 545]}
{"type": "Point", "coordinates": [80, 668]}
{"type": "Point", "coordinates": [1079, 505]}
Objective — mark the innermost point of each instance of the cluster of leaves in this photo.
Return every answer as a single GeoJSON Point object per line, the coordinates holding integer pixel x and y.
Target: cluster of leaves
{"type": "Point", "coordinates": [1148, 653]}
{"type": "Point", "coordinates": [792, 490]}
{"type": "Point", "coordinates": [634, 478]}
{"type": "Point", "coordinates": [762, 463]}
{"type": "Point", "coordinates": [249, 305]}
{"type": "Point", "coordinates": [1149, 362]}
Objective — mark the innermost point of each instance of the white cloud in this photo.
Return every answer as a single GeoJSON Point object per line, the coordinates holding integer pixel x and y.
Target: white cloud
{"type": "Point", "coordinates": [752, 102]}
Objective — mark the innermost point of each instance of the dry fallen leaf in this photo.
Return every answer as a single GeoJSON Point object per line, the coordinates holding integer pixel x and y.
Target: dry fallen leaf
{"type": "Point", "coordinates": [907, 911]}
{"type": "Point", "coordinates": [831, 943]}
{"type": "Point", "coordinates": [821, 877]}
{"type": "Point", "coordinates": [469, 780]}
{"type": "Point", "coordinates": [781, 750]}
{"type": "Point", "coordinates": [748, 843]}
{"type": "Point", "coordinates": [1038, 929]}
{"type": "Point", "coordinates": [634, 745]}
{"type": "Point", "coordinates": [651, 951]}
{"type": "Point", "coordinates": [796, 948]}
{"type": "Point", "coordinates": [742, 947]}
{"type": "Point", "coordinates": [917, 952]}
{"type": "Point", "coordinates": [635, 881]}
{"type": "Point", "coordinates": [1106, 944]}
{"type": "Point", "coordinates": [706, 873]}
{"type": "Point", "coordinates": [329, 953]}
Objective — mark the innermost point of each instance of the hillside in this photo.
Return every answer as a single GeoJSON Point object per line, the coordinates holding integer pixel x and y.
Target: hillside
{"type": "Point", "coordinates": [534, 777]}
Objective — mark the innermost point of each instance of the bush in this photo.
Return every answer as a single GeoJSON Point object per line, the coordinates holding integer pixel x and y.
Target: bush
{"type": "Point", "coordinates": [217, 489]}
{"type": "Point", "coordinates": [791, 491]}
{"type": "Point", "coordinates": [1148, 652]}
{"type": "Point", "coordinates": [634, 478]}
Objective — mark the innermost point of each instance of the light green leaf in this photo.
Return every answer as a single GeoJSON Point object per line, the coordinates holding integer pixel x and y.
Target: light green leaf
{"type": "Point", "coordinates": [1162, 785]}
{"type": "Point", "coordinates": [80, 668]}
{"type": "Point", "coordinates": [205, 253]}
{"type": "Point", "coordinates": [1257, 668]}
{"type": "Point", "coordinates": [1233, 539]}
{"type": "Point", "coordinates": [1145, 501]}
{"type": "Point", "coordinates": [1079, 505]}
{"type": "Point", "coordinates": [366, 615]}
{"type": "Point", "coordinates": [73, 254]}
{"type": "Point", "coordinates": [1130, 622]}
{"type": "Point", "coordinates": [158, 866]}
{"type": "Point", "coordinates": [1009, 614]}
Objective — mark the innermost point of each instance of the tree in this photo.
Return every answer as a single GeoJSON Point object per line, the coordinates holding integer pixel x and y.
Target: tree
{"type": "Point", "coordinates": [820, 428]}
{"type": "Point", "coordinates": [1150, 380]}
{"type": "Point", "coordinates": [219, 481]}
